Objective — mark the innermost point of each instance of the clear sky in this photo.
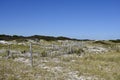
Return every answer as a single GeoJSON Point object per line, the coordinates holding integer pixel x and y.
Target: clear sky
{"type": "Point", "coordinates": [82, 19]}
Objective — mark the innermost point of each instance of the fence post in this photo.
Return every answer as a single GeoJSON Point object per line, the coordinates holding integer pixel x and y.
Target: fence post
{"type": "Point", "coordinates": [8, 51]}
{"type": "Point", "coordinates": [31, 58]}
{"type": "Point", "coordinates": [70, 48]}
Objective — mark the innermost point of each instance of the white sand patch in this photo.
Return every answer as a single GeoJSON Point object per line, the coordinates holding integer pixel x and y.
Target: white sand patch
{"type": "Point", "coordinates": [74, 76]}
{"type": "Point", "coordinates": [23, 60]}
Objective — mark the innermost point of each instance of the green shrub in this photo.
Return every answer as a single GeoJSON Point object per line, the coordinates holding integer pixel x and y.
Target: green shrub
{"type": "Point", "coordinates": [102, 42]}
{"type": "Point", "coordinates": [44, 54]}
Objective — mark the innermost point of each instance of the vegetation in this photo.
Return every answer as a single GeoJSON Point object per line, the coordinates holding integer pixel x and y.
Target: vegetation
{"type": "Point", "coordinates": [102, 42]}
{"type": "Point", "coordinates": [35, 37]}
{"type": "Point", "coordinates": [100, 66]}
{"type": "Point", "coordinates": [115, 41]}
{"type": "Point", "coordinates": [59, 60]}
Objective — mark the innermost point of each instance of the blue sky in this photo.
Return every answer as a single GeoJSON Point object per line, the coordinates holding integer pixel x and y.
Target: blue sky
{"type": "Point", "coordinates": [82, 19]}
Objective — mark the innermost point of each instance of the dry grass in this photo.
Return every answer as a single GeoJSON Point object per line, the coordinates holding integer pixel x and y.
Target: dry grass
{"type": "Point", "coordinates": [63, 67]}
{"type": "Point", "coordinates": [97, 66]}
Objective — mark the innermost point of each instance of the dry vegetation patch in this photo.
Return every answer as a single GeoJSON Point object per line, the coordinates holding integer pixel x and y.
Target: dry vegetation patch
{"type": "Point", "coordinates": [61, 60]}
